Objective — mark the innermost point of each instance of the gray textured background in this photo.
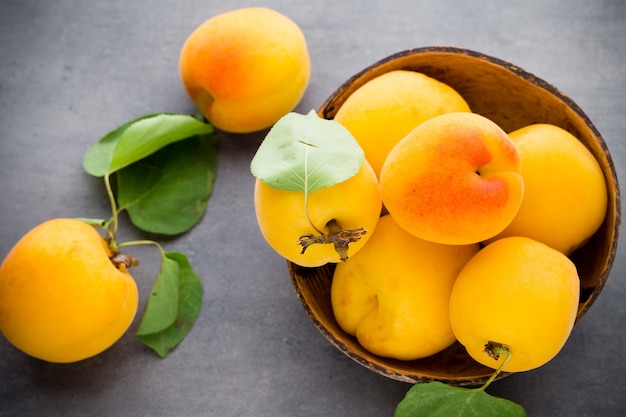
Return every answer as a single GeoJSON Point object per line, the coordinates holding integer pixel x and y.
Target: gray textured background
{"type": "Point", "coordinates": [70, 71]}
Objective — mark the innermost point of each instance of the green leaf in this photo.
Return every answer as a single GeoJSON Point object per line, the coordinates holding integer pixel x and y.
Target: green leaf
{"type": "Point", "coordinates": [97, 158]}
{"type": "Point", "coordinates": [93, 222]}
{"type": "Point", "coordinates": [139, 138]}
{"type": "Point", "coordinates": [436, 399]}
{"type": "Point", "coordinates": [162, 306]}
{"type": "Point", "coordinates": [189, 302]}
{"type": "Point", "coordinates": [167, 192]}
{"type": "Point", "coordinates": [306, 153]}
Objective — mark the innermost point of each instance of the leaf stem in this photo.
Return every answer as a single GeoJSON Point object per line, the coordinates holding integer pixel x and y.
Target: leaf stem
{"type": "Point", "coordinates": [127, 260]}
{"type": "Point", "coordinates": [142, 242]}
{"type": "Point", "coordinates": [306, 190]}
{"type": "Point", "coordinates": [111, 230]}
{"type": "Point", "coordinates": [501, 350]}
{"type": "Point", "coordinates": [306, 212]}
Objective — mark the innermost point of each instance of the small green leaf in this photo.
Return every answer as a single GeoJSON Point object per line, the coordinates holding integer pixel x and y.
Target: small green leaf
{"type": "Point", "coordinates": [139, 138]}
{"type": "Point", "coordinates": [93, 222]}
{"type": "Point", "coordinates": [306, 153]}
{"type": "Point", "coordinates": [188, 309]}
{"type": "Point", "coordinates": [162, 306]}
{"type": "Point", "coordinates": [436, 399]}
{"type": "Point", "coordinates": [167, 192]}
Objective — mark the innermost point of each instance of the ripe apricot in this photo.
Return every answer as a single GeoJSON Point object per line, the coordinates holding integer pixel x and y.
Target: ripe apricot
{"type": "Point", "coordinates": [61, 298]}
{"type": "Point", "coordinates": [283, 218]}
{"type": "Point", "coordinates": [454, 179]}
{"type": "Point", "coordinates": [565, 193]}
{"type": "Point", "coordinates": [517, 293]}
{"type": "Point", "coordinates": [394, 294]}
{"type": "Point", "coordinates": [246, 68]}
{"type": "Point", "coordinates": [386, 108]}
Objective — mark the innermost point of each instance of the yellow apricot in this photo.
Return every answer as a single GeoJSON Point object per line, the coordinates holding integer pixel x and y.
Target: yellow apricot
{"type": "Point", "coordinates": [282, 216]}
{"type": "Point", "coordinates": [386, 108]}
{"type": "Point", "coordinates": [246, 68]}
{"type": "Point", "coordinates": [394, 294]}
{"type": "Point", "coordinates": [61, 298]}
{"type": "Point", "coordinates": [565, 195]}
{"type": "Point", "coordinates": [454, 179]}
{"type": "Point", "coordinates": [517, 293]}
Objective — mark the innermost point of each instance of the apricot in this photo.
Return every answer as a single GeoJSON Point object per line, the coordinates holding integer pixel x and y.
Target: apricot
{"type": "Point", "coordinates": [246, 68]}
{"type": "Point", "coordinates": [386, 108]}
{"type": "Point", "coordinates": [454, 179]}
{"type": "Point", "coordinates": [61, 298]}
{"type": "Point", "coordinates": [394, 294]}
{"type": "Point", "coordinates": [517, 293]}
{"type": "Point", "coordinates": [283, 217]}
{"type": "Point", "coordinates": [565, 193]}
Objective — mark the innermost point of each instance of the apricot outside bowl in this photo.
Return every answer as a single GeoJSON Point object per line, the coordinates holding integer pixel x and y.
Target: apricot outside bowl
{"type": "Point", "coordinates": [513, 98]}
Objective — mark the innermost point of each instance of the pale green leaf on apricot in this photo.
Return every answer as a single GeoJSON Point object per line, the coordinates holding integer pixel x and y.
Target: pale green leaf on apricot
{"type": "Point", "coordinates": [436, 399]}
{"type": "Point", "coordinates": [306, 153]}
{"type": "Point", "coordinates": [139, 138]}
{"type": "Point", "coordinates": [187, 305]}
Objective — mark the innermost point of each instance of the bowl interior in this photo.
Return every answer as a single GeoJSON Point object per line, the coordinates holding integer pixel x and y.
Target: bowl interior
{"type": "Point", "coordinates": [513, 98]}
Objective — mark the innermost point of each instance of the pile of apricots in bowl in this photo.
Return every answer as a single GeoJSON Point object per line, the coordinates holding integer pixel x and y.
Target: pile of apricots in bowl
{"type": "Point", "coordinates": [490, 214]}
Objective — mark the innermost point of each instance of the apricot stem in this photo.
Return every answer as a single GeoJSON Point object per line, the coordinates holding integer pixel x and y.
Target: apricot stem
{"type": "Point", "coordinates": [337, 235]}
{"type": "Point", "coordinates": [494, 350]}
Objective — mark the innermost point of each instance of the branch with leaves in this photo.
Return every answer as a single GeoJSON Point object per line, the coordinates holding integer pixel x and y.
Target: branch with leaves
{"type": "Point", "coordinates": [165, 167]}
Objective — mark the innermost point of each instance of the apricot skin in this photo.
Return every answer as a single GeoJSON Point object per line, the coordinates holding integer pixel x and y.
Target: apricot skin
{"type": "Point", "coordinates": [61, 298]}
{"type": "Point", "coordinates": [455, 179]}
{"type": "Point", "coordinates": [519, 293]}
{"type": "Point", "coordinates": [565, 193]}
{"type": "Point", "coordinates": [246, 68]}
{"type": "Point", "coordinates": [393, 295]}
{"type": "Point", "coordinates": [385, 109]}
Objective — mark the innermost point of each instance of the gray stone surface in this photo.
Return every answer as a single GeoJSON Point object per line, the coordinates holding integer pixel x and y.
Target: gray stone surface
{"type": "Point", "coordinates": [70, 71]}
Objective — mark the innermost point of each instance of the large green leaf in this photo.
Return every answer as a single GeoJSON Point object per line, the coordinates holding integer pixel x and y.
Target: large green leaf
{"type": "Point", "coordinates": [167, 192]}
{"type": "Point", "coordinates": [306, 153]}
{"type": "Point", "coordinates": [436, 399]}
{"type": "Point", "coordinates": [139, 138]}
{"type": "Point", "coordinates": [154, 330]}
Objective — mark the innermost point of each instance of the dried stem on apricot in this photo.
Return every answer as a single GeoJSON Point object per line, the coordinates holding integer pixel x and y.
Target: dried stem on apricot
{"type": "Point", "coordinates": [495, 349]}
{"type": "Point", "coordinates": [337, 235]}
{"type": "Point", "coordinates": [118, 258]}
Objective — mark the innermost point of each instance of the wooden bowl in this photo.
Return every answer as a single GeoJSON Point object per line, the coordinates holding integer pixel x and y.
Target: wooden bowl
{"type": "Point", "coordinates": [512, 98]}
